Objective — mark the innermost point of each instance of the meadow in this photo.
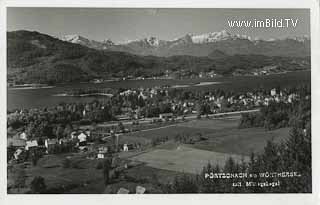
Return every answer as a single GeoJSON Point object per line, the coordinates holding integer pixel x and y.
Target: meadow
{"type": "Point", "coordinates": [222, 137]}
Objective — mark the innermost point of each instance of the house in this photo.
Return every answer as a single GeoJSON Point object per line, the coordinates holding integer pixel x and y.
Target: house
{"type": "Point", "coordinates": [140, 190]}
{"type": "Point", "coordinates": [101, 155]}
{"type": "Point", "coordinates": [123, 191]}
{"type": "Point", "coordinates": [31, 144]}
{"type": "Point", "coordinates": [102, 152]}
{"type": "Point", "coordinates": [73, 135]}
{"type": "Point", "coordinates": [63, 141]}
{"type": "Point", "coordinates": [143, 96]}
{"type": "Point", "coordinates": [82, 139]}
{"type": "Point", "coordinates": [51, 145]}
{"type": "Point", "coordinates": [18, 153]}
{"type": "Point", "coordinates": [87, 132]}
{"type": "Point", "coordinates": [164, 116]}
{"type": "Point", "coordinates": [23, 136]}
{"type": "Point", "coordinates": [125, 148]}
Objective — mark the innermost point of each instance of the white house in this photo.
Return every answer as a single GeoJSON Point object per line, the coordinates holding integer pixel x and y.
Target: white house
{"type": "Point", "coordinates": [23, 136]}
{"type": "Point", "coordinates": [87, 132]}
{"type": "Point", "coordinates": [273, 92]}
{"type": "Point", "coordinates": [102, 152]}
{"type": "Point", "coordinates": [31, 144]}
{"type": "Point", "coordinates": [49, 142]}
{"type": "Point", "coordinates": [82, 139]}
{"type": "Point", "coordinates": [125, 148]}
{"type": "Point", "coordinates": [73, 135]}
{"type": "Point", "coordinates": [140, 190]}
{"type": "Point", "coordinates": [165, 115]}
{"type": "Point", "coordinates": [17, 153]}
{"type": "Point", "coordinates": [123, 191]}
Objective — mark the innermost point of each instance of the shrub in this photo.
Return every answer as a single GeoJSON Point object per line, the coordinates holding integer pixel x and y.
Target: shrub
{"type": "Point", "coordinates": [75, 164]}
{"type": "Point", "coordinates": [38, 185]}
{"type": "Point", "coordinates": [99, 165]}
{"type": "Point", "coordinates": [66, 163]}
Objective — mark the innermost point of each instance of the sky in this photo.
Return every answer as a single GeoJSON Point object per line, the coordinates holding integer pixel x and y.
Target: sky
{"type": "Point", "coordinates": [121, 24]}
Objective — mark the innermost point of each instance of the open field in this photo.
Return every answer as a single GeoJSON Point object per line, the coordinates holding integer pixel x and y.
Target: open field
{"type": "Point", "coordinates": [215, 124]}
{"type": "Point", "coordinates": [81, 172]}
{"type": "Point", "coordinates": [222, 135]}
{"type": "Point", "coordinates": [224, 140]}
{"type": "Point", "coordinates": [241, 141]}
{"type": "Point", "coordinates": [185, 159]}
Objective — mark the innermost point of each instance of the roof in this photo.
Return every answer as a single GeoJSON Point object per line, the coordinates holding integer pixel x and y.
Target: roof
{"type": "Point", "coordinates": [166, 114]}
{"type": "Point", "coordinates": [32, 143]}
{"type": "Point", "coordinates": [51, 141]}
{"type": "Point", "coordinates": [16, 142]}
{"type": "Point", "coordinates": [82, 137]}
{"type": "Point", "coordinates": [23, 135]}
{"type": "Point", "coordinates": [123, 191]}
{"type": "Point", "coordinates": [64, 140]}
{"type": "Point", "coordinates": [140, 190]}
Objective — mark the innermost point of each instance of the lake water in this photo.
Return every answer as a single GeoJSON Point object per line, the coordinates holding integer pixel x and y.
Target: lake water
{"type": "Point", "coordinates": [28, 98]}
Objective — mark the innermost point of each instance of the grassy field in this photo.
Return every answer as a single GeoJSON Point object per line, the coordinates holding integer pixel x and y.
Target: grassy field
{"type": "Point", "coordinates": [224, 140]}
{"type": "Point", "coordinates": [212, 124]}
{"type": "Point", "coordinates": [222, 136]}
{"type": "Point", "coordinates": [185, 159]}
{"type": "Point", "coordinates": [82, 172]}
{"type": "Point", "coordinates": [85, 178]}
{"type": "Point", "coordinates": [142, 175]}
{"type": "Point", "coordinates": [241, 141]}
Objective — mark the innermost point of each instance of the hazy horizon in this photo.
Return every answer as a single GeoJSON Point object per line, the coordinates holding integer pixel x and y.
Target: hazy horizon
{"type": "Point", "coordinates": [123, 24]}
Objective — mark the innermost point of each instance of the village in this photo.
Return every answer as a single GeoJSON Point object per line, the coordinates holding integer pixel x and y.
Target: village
{"type": "Point", "coordinates": [131, 118]}
{"type": "Point", "coordinates": [113, 139]}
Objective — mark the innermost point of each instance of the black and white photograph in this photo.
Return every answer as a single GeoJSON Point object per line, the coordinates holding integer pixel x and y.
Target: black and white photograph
{"type": "Point", "coordinates": [158, 100]}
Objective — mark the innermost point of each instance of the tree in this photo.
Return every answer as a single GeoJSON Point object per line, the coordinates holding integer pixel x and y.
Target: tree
{"type": "Point", "coordinates": [106, 171]}
{"type": "Point", "coordinates": [121, 126]}
{"type": "Point", "coordinates": [20, 180]}
{"type": "Point", "coordinates": [38, 185]}
{"type": "Point", "coordinates": [35, 156]}
{"type": "Point", "coordinates": [184, 184]}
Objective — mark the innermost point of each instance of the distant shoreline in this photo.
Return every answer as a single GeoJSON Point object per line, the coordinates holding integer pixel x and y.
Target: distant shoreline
{"type": "Point", "coordinates": [206, 80]}
{"type": "Point", "coordinates": [83, 95]}
{"type": "Point", "coordinates": [29, 86]}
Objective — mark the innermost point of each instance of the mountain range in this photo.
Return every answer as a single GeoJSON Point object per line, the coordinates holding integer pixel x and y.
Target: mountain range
{"type": "Point", "coordinates": [34, 57]}
{"type": "Point", "coordinates": [203, 45]}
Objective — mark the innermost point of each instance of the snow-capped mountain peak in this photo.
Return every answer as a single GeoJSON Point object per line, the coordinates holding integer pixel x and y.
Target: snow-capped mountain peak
{"type": "Point", "coordinates": [153, 41]}
{"type": "Point", "coordinates": [300, 38]}
{"type": "Point", "coordinates": [190, 44]}
{"type": "Point", "coordinates": [108, 42]}
{"type": "Point", "coordinates": [74, 38]}
{"type": "Point", "coordinates": [211, 37]}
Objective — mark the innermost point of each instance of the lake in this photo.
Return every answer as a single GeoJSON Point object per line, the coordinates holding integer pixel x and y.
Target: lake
{"type": "Point", "coordinates": [32, 98]}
